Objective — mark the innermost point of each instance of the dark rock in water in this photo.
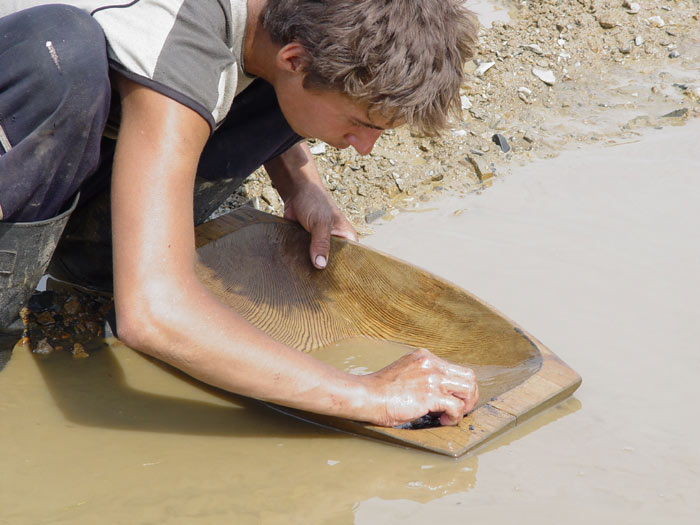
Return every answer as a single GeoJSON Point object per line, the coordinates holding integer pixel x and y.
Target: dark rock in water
{"type": "Point", "coordinates": [375, 215]}
{"type": "Point", "coordinates": [501, 141]}
{"type": "Point", "coordinates": [679, 113]}
{"type": "Point", "coordinates": [427, 421]}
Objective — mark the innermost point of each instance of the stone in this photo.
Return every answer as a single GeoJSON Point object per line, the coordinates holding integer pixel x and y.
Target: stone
{"type": "Point", "coordinates": [483, 68]}
{"type": "Point", "coordinates": [501, 142]}
{"type": "Point", "coordinates": [374, 215]}
{"type": "Point", "coordinates": [545, 75]}
{"type": "Point", "coordinates": [466, 103]}
{"type": "Point", "coordinates": [79, 351]}
{"type": "Point", "coordinates": [674, 54]}
{"type": "Point", "coordinates": [638, 40]}
{"type": "Point", "coordinates": [269, 195]}
{"type": "Point", "coordinates": [607, 21]}
{"type": "Point", "coordinates": [632, 7]}
{"type": "Point", "coordinates": [319, 148]}
{"type": "Point", "coordinates": [534, 48]}
{"type": "Point", "coordinates": [678, 113]}
{"type": "Point", "coordinates": [656, 21]}
{"type": "Point", "coordinates": [43, 347]}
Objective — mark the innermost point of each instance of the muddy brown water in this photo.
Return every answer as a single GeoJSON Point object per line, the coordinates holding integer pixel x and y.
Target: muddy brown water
{"type": "Point", "coordinates": [593, 252]}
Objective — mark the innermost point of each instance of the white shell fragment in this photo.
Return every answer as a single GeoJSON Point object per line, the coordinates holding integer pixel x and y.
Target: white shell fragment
{"type": "Point", "coordinates": [545, 75]}
{"type": "Point", "coordinates": [319, 148]}
{"type": "Point", "coordinates": [483, 68]}
{"type": "Point", "coordinates": [656, 21]}
{"type": "Point", "coordinates": [466, 103]}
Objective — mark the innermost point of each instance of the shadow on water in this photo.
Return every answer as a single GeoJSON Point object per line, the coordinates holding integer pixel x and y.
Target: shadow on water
{"type": "Point", "coordinates": [95, 392]}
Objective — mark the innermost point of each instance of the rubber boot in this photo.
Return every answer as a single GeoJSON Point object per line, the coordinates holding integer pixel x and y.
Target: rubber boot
{"type": "Point", "coordinates": [25, 251]}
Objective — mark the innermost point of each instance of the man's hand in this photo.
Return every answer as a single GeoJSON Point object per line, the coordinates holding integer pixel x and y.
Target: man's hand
{"type": "Point", "coordinates": [418, 384]}
{"type": "Point", "coordinates": [308, 202]}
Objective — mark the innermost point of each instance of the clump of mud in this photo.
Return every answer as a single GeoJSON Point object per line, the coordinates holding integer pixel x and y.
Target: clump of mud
{"type": "Point", "coordinates": [559, 73]}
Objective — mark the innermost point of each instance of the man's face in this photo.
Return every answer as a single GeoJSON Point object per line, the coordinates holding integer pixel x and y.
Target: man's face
{"type": "Point", "coordinates": [331, 117]}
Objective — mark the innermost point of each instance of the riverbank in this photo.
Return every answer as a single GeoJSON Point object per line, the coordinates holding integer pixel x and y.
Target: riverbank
{"type": "Point", "coordinates": [554, 75]}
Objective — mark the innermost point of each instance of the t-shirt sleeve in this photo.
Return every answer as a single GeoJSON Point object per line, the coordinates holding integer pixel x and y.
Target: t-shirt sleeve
{"type": "Point", "coordinates": [180, 48]}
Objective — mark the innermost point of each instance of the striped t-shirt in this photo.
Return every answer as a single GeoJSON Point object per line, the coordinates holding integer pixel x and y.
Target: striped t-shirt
{"type": "Point", "coordinates": [188, 50]}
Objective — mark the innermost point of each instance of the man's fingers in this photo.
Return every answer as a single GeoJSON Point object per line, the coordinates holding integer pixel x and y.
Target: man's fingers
{"type": "Point", "coordinates": [343, 228]}
{"type": "Point", "coordinates": [452, 409]}
{"type": "Point", "coordinates": [320, 244]}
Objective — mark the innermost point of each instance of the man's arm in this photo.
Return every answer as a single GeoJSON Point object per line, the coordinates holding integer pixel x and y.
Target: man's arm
{"type": "Point", "coordinates": [307, 201]}
{"type": "Point", "coordinates": [165, 311]}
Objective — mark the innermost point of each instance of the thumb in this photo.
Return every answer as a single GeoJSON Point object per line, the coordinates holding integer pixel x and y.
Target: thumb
{"type": "Point", "coordinates": [320, 244]}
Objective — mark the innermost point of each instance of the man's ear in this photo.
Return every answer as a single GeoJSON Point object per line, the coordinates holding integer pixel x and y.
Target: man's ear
{"type": "Point", "coordinates": [292, 58]}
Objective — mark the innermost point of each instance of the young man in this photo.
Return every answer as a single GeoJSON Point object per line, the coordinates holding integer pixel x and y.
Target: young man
{"type": "Point", "coordinates": [212, 89]}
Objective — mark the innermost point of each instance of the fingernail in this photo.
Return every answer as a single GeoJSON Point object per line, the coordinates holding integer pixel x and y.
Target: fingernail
{"type": "Point", "coordinates": [320, 261]}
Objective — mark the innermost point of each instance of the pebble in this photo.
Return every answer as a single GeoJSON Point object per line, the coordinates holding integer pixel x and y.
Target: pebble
{"type": "Point", "coordinates": [534, 48]}
{"type": "Point", "coordinates": [483, 68]}
{"type": "Point", "coordinates": [79, 351]}
{"type": "Point", "coordinates": [466, 103]}
{"type": "Point", "coordinates": [43, 347]}
{"type": "Point", "coordinates": [674, 54]}
{"type": "Point", "coordinates": [319, 148]}
{"type": "Point", "coordinates": [632, 7]}
{"type": "Point", "coordinates": [638, 40]}
{"type": "Point", "coordinates": [678, 113]}
{"type": "Point", "coordinates": [459, 132]}
{"type": "Point", "coordinates": [606, 21]}
{"type": "Point", "coordinates": [269, 195]}
{"type": "Point", "coordinates": [375, 215]}
{"type": "Point", "coordinates": [545, 75]}
{"type": "Point", "coordinates": [656, 21]}
{"type": "Point", "coordinates": [501, 141]}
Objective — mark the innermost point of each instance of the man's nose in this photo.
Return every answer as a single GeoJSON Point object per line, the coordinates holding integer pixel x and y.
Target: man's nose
{"type": "Point", "coordinates": [363, 142]}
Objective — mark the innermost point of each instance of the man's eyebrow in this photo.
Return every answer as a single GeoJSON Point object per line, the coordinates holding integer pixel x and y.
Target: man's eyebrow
{"type": "Point", "coordinates": [367, 124]}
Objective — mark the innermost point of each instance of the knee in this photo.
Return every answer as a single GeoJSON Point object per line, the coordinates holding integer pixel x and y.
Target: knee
{"type": "Point", "coordinates": [78, 50]}
{"type": "Point", "coordinates": [56, 60]}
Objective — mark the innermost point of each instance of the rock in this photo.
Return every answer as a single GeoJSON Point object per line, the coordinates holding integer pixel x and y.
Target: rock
{"type": "Point", "coordinates": [678, 113]}
{"type": "Point", "coordinates": [674, 54]}
{"type": "Point", "coordinates": [269, 195]}
{"type": "Point", "coordinates": [607, 21]}
{"type": "Point", "coordinates": [45, 318]}
{"type": "Point", "coordinates": [481, 171]}
{"type": "Point", "coordinates": [466, 103]}
{"type": "Point", "coordinates": [319, 148]}
{"type": "Point", "coordinates": [534, 48]}
{"type": "Point", "coordinates": [72, 305]}
{"type": "Point", "coordinates": [638, 40]}
{"type": "Point", "coordinates": [399, 181]}
{"type": "Point", "coordinates": [501, 141]}
{"type": "Point", "coordinates": [483, 68]}
{"type": "Point", "coordinates": [374, 216]}
{"type": "Point", "coordinates": [524, 94]}
{"type": "Point", "coordinates": [656, 21]}
{"type": "Point", "coordinates": [459, 132]}
{"type": "Point", "coordinates": [79, 351]}
{"type": "Point", "coordinates": [545, 75]}
{"type": "Point", "coordinates": [43, 347]}
{"type": "Point", "coordinates": [632, 7]}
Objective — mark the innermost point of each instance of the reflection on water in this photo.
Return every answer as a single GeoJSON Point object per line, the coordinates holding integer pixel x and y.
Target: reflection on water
{"type": "Point", "coordinates": [118, 435]}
